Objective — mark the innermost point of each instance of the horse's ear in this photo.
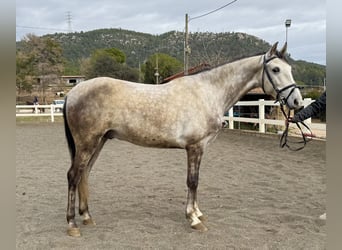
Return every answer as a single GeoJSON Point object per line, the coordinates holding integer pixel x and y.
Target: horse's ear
{"type": "Point", "coordinates": [283, 50]}
{"type": "Point", "coordinates": [272, 50]}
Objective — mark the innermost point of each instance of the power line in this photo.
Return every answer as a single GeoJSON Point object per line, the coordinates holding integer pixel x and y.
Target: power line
{"type": "Point", "coordinates": [39, 28]}
{"type": "Point", "coordinates": [210, 12]}
{"type": "Point", "coordinates": [187, 49]}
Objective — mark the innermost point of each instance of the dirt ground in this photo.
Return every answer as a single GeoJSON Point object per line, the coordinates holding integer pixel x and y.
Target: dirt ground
{"type": "Point", "coordinates": [255, 194]}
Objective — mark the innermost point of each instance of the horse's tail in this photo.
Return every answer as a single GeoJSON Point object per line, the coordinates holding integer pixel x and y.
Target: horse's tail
{"type": "Point", "coordinates": [70, 139]}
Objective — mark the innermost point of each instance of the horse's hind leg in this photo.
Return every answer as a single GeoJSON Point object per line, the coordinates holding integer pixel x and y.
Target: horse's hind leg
{"type": "Point", "coordinates": [74, 175]}
{"type": "Point", "coordinates": [83, 191]}
{"type": "Point", "coordinates": [194, 153]}
{"type": "Point", "coordinates": [79, 168]}
{"type": "Point", "coordinates": [83, 195]}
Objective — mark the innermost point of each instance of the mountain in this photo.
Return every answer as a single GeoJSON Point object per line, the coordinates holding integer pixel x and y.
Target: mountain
{"type": "Point", "coordinates": [206, 47]}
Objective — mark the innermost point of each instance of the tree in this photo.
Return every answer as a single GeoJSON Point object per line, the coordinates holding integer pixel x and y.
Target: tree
{"type": "Point", "coordinates": [167, 66]}
{"type": "Point", "coordinates": [24, 72]}
{"type": "Point", "coordinates": [117, 54]}
{"type": "Point", "coordinates": [42, 59]}
{"type": "Point", "coordinates": [110, 63]}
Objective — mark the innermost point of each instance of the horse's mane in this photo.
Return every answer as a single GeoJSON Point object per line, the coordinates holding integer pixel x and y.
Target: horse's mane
{"type": "Point", "coordinates": [226, 62]}
{"type": "Point", "coordinates": [277, 53]}
{"type": "Point", "coordinates": [208, 67]}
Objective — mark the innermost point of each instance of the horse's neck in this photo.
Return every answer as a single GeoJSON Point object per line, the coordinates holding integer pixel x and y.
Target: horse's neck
{"type": "Point", "coordinates": [233, 80]}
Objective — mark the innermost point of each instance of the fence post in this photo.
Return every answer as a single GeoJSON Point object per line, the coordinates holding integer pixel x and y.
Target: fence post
{"type": "Point", "coordinates": [52, 110]}
{"type": "Point", "coordinates": [36, 108]}
{"type": "Point", "coordinates": [261, 116]}
{"type": "Point", "coordinates": [231, 118]}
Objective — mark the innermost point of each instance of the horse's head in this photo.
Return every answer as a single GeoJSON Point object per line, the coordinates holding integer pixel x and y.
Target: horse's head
{"type": "Point", "coordinates": [277, 79]}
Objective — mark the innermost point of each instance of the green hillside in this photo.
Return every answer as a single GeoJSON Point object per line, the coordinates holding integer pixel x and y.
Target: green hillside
{"type": "Point", "coordinates": [212, 48]}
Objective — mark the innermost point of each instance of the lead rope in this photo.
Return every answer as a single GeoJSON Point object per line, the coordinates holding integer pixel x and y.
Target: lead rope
{"type": "Point", "coordinates": [284, 141]}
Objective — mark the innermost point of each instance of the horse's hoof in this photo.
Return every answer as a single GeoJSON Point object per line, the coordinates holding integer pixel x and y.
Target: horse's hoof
{"type": "Point", "coordinates": [89, 221]}
{"type": "Point", "coordinates": [74, 232]}
{"type": "Point", "coordinates": [199, 227]}
{"type": "Point", "coordinates": [202, 218]}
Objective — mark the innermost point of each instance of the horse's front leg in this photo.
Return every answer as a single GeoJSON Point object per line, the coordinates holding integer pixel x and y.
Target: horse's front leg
{"type": "Point", "coordinates": [194, 154]}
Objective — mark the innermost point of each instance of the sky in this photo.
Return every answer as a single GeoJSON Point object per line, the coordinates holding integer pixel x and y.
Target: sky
{"type": "Point", "coordinates": [265, 19]}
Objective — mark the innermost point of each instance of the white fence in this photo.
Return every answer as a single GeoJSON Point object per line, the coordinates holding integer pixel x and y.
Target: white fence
{"type": "Point", "coordinates": [51, 110]}
{"type": "Point", "coordinates": [39, 110]}
{"type": "Point", "coordinates": [262, 121]}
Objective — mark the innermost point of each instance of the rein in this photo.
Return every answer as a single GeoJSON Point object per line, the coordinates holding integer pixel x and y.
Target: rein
{"type": "Point", "coordinates": [284, 141]}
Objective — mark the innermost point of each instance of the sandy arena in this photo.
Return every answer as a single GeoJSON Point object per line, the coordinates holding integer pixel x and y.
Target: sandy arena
{"type": "Point", "coordinates": [255, 194]}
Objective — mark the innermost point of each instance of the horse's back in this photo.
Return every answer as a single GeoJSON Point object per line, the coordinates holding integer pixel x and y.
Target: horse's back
{"type": "Point", "coordinates": [95, 87]}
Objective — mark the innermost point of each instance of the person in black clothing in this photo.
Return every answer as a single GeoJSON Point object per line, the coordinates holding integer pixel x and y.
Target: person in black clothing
{"type": "Point", "coordinates": [314, 108]}
{"type": "Point", "coordinates": [35, 100]}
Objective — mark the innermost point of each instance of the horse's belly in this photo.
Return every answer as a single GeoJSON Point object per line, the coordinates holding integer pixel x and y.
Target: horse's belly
{"type": "Point", "coordinates": [147, 137]}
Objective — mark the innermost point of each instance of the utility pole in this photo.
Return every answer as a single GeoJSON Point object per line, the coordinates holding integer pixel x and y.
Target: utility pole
{"type": "Point", "coordinates": [187, 49]}
{"type": "Point", "coordinates": [139, 72]}
{"type": "Point", "coordinates": [157, 68]}
{"type": "Point", "coordinates": [186, 46]}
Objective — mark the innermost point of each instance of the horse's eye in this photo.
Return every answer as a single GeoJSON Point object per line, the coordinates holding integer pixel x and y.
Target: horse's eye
{"type": "Point", "coordinates": [276, 70]}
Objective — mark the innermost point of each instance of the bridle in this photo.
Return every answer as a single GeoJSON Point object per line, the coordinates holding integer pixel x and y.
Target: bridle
{"type": "Point", "coordinates": [284, 141]}
{"type": "Point", "coordinates": [281, 100]}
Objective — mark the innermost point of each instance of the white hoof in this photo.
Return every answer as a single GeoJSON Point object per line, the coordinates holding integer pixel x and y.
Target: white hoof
{"type": "Point", "coordinates": [199, 227]}
{"type": "Point", "coordinates": [323, 216]}
{"type": "Point", "coordinates": [74, 232]}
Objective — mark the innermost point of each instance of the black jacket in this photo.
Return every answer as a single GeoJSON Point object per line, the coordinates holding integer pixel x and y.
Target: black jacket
{"type": "Point", "coordinates": [314, 108]}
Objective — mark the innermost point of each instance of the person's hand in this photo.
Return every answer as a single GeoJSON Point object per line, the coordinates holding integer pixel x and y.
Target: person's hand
{"type": "Point", "coordinates": [290, 119]}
